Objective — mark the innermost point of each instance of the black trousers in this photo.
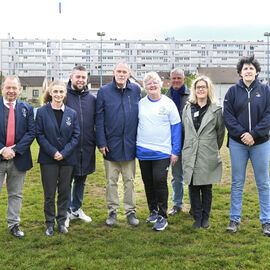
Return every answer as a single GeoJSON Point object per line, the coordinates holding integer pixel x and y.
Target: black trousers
{"type": "Point", "coordinates": [55, 177]}
{"type": "Point", "coordinates": [154, 175]}
{"type": "Point", "coordinates": [201, 200]}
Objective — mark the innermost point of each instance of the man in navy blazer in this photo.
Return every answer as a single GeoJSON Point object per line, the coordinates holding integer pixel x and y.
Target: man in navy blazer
{"type": "Point", "coordinates": [15, 159]}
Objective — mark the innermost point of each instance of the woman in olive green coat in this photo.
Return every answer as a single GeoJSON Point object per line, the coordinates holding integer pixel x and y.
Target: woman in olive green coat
{"type": "Point", "coordinates": [203, 137]}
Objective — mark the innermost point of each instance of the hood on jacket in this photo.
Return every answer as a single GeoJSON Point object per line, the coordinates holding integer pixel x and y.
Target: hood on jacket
{"type": "Point", "coordinates": [74, 92]}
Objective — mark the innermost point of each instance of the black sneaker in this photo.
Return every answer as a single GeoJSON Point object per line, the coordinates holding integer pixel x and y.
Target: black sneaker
{"type": "Point", "coordinates": [153, 217]}
{"type": "Point", "coordinates": [205, 224]}
{"type": "Point", "coordinates": [49, 231]}
{"type": "Point", "coordinates": [197, 224]}
{"type": "Point", "coordinates": [266, 229]}
{"type": "Point", "coordinates": [110, 221]}
{"type": "Point", "coordinates": [233, 226]}
{"type": "Point", "coordinates": [175, 210]}
{"type": "Point", "coordinates": [16, 232]}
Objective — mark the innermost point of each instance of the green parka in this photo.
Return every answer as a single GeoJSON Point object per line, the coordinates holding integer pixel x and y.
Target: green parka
{"type": "Point", "coordinates": [200, 155]}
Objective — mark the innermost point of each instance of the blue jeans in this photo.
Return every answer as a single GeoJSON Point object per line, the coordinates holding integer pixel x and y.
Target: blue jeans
{"type": "Point", "coordinates": [77, 190]}
{"type": "Point", "coordinates": [259, 156]}
{"type": "Point", "coordinates": [177, 183]}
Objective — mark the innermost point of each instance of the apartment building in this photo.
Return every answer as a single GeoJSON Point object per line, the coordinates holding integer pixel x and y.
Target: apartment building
{"type": "Point", "coordinates": [54, 59]}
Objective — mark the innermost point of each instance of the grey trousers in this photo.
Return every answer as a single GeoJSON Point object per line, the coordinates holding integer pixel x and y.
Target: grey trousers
{"type": "Point", "coordinates": [113, 169]}
{"type": "Point", "coordinates": [14, 182]}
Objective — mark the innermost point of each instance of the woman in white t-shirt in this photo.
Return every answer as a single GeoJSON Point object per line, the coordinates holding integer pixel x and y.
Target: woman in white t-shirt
{"type": "Point", "coordinates": [158, 145]}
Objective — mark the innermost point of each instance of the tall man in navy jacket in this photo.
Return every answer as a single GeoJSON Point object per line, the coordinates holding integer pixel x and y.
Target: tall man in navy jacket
{"type": "Point", "coordinates": [83, 102]}
{"type": "Point", "coordinates": [116, 127]}
{"type": "Point", "coordinates": [17, 132]}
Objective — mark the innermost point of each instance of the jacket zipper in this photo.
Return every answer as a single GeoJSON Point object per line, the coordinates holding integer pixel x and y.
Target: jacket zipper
{"type": "Point", "coordinates": [122, 97]}
{"type": "Point", "coordinates": [249, 113]}
{"type": "Point", "coordinates": [129, 103]}
{"type": "Point", "coordinates": [81, 132]}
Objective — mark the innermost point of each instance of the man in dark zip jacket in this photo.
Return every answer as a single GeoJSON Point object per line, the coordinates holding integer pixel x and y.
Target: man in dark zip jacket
{"type": "Point", "coordinates": [83, 102]}
{"type": "Point", "coordinates": [116, 126]}
{"type": "Point", "coordinates": [179, 93]}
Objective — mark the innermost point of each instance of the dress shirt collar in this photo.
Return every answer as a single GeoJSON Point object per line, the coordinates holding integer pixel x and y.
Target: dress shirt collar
{"type": "Point", "coordinates": [6, 103]}
{"type": "Point", "coordinates": [62, 107]}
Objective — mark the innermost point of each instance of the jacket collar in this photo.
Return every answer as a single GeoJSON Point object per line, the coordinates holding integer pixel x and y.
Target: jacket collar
{"type": "Point", "coordinates": [186, 90]}
{"type": "Point", "coordinates": [253, 85]}
{"type": "Point", "coordinates": [128, 84]}
{"type": "Point", "coordinates": [76, 93]}
{"type": "Point", "coordinates": [212, 108]}
{"type": "Point", "coordinates": [52, 116]}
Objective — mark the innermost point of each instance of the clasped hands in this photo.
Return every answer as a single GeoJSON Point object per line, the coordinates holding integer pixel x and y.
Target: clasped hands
{"type": "Point", "coordinates": [8, 153]}
{"type": "Point", "coordinates": [247, 139]}
{"type": "Point", "coordinates": [58, 156]}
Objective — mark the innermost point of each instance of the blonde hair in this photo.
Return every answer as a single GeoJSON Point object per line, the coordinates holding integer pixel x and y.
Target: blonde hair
{"type": "Point", "coordinates": [47, 94]}
{"type": "Point", "coordinates": [210, 93]}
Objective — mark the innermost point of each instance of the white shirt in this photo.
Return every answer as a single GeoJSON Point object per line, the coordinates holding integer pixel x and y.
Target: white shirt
{"type": "Point", "coordinates": [155, 120]}
{"type": "Point", "coordinates": [6, 103]}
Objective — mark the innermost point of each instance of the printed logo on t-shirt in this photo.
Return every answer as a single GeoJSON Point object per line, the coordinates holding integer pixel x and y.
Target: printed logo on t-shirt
{"type": "Point", "coordinates": [162, 111]}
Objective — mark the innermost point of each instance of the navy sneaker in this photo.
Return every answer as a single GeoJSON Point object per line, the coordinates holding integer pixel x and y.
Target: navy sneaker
{"type": "Point", "coordinates": [161, 224]}
{"type": "Point", "coordinates": [153, 217]}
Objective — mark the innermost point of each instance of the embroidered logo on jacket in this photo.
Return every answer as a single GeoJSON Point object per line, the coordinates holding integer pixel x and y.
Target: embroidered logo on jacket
{"type": "Point", "coordinates": [68, 121]}
{"type": "Point", "coordinates": [24, 112]}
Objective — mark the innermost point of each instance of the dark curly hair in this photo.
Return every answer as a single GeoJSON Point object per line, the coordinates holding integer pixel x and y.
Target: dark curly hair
{"type": "Point", "coordinates": [250, 60]}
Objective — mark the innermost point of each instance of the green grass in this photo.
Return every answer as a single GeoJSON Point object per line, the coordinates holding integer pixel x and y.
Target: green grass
{"type": "Point", "coordinates": [95, 246]}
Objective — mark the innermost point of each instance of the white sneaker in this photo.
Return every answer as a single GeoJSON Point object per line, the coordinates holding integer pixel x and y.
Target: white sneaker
{"type": "Point", "coordinates": [80, 215]}
{"type": "Point", "coordinates": [67, 220]}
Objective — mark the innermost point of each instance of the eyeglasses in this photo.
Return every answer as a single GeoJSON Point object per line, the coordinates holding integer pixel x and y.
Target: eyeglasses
{"type": "Point", "coordinates": [201, 87]}
{"type": "Point", "coordinates": [153, 82]}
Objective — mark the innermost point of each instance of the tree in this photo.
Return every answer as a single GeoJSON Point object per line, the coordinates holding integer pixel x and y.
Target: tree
{"type": "Point", "coordinates": [190, 77]}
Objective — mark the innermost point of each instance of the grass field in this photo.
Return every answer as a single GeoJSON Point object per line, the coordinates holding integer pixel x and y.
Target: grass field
{"type": "Point", "coordinates": [96, 246]}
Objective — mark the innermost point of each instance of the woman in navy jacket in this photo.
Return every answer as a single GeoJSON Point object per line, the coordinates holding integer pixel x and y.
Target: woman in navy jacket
{"type": "Point", "coordinates": [57, 134]}
{"type": "Point", "coordinates": [247, 118]}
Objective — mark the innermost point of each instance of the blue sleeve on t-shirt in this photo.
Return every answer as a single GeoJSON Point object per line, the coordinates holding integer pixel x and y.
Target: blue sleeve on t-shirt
{"type": "Point", "coordinates": [176, 131]}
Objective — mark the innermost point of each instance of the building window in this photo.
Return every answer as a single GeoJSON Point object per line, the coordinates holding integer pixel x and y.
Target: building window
{"type": "Point", "coordinates": [35, 93]}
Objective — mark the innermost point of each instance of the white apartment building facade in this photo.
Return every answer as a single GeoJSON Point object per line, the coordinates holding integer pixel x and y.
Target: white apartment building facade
{"type": "Point", "coordinates": [56, 58]}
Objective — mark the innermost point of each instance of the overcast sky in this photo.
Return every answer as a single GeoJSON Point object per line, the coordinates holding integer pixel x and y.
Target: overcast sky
{"type": "Point", "coordinates": [139, 19]}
